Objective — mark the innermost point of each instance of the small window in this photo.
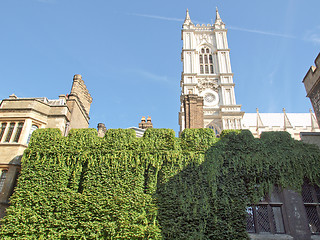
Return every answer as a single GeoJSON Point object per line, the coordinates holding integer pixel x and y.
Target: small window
{"type": "Point", "coordinates": [2, 179]}
{"type": "Point", "coordinates": [33, 128]}
{"type": "Point", "coordinates": [18, 132]}
{"type": "Point", "coordinates": [201, 59]}
{"type": "Point", "coordinates": [266, 216]}
{"type": "Point", "coordinates": [207, 69]}
{"type": "Point", "coordinates": [2, 130]}
{"type": "Point", "coordinates": [202, 50]}
{"type": "Point", "coordinates": [201, 69]}
{"type": "Point", "coordinates": [10, 131]}
{"type": "Point", "coordinates": [210, 59]}
{"type": "Point", "coordinates": [207, 50]}
{"type": "Point", "coordinates": [311, 198]}
{"type": "Point", "coordinates": [211, 69]}
{"type": "Point", "coordinates": [206, 59]}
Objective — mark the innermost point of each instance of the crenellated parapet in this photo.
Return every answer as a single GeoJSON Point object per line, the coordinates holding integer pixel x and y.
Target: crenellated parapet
{"type": "Point", "coordinates": [312, 85]}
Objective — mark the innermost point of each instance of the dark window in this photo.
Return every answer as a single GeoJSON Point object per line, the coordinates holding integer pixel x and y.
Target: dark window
{"type": "Point", "coordinates": [18, 132]}
{"type": "Point", "coordinates": [3, 128]}
{"type": "Point", "coordinates": [207, 69]}
{"type": "Point", "coordinates": [201, 69]}
{"type": "Point", "coordinates": [10, 131]}
{"type": "Point", "coordinates": [207, 50]}
{"type": "Point", "coordinates": [311, 198]}
{"type": "Point", "coordinates": [210, 59]}
{"type": "Point", "coordinates": [266, 216]}
{"type": "Point", "coordinates": [201, 59]}
{"type": "Point", "coordinates": [205, 58]}
{"type": "Point", "coordinates": [202, 50]}
{"type": "Point", "coordinates": [2, 178]}
{"type": "Point", "coordinates": [211, 69]}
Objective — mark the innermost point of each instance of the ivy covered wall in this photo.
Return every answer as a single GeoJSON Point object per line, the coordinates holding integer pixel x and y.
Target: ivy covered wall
{"type": "Point", "coordinates": [155, 187]}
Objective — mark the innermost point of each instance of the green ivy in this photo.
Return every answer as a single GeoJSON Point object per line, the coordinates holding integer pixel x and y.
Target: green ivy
{"type": "Point", "coordinates": [155, 187]}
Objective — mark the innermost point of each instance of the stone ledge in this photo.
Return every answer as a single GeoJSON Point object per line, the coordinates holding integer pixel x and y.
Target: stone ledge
{"type": "Point", "coordinates": [270, 237]}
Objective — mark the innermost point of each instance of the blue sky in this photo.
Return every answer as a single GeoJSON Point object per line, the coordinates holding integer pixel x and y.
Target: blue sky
{"type": "Point", "coordinates": [128, 53]}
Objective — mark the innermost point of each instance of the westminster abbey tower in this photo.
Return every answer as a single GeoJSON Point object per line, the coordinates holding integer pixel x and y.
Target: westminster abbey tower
{"type": "Point", "coordinates": [207, 88]}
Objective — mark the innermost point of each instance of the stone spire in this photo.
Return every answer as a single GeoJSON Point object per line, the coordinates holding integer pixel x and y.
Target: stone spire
{"type": "Point", "coordinates": [218, 23]}
{"type": "Point", "coordinates": [314, 123]}
{"type": "Point", "coordinates": [187, 20]}
{"type": "Point", "coordinates": [259, 121]}
{"type": "Point", "coordinates": [217, 15]}
{"type": "Point", "coordinates": [287, 123]}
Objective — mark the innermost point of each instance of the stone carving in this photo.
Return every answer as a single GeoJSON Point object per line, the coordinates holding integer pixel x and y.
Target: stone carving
{"type": "Point", "coordinates": [204, 38]}
{"type": "Point", "coordinates": [205, 83]}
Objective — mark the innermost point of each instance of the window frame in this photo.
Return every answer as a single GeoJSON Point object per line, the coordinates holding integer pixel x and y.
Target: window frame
{"type": "Point", "coordinates": [269, 204]}
{"type": "Point", "coordinates": [315, 203]}
{"type": "Point", "coordinates": [206, 61]}
{"type": "Point", "coordinates": [3, 179]}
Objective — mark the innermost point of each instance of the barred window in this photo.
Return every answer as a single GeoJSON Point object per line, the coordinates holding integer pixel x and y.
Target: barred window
{"type": "Point", "coordinates": [2, 130]}
{"type": "Point", "coordinates": [2, 178]}
{"type": "Point", "coordinates": [311, 198]}
{"type": "Point", "coordinates": [206, 61]}
{"type": "Point", "coordinates": [266, 216]}
{"type": "Point", "coordinates": [10, 131]}
{"type": "Point", "coordinates": [18, 132]}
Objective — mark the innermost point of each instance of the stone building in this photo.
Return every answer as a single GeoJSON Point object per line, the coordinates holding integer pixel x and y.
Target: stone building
{"type": "Point", "coordinates": [19, 117]}
{"type": "Point", "coordinates": [208, 92]}
{"type": "Point", "coordinates": [312, 85]}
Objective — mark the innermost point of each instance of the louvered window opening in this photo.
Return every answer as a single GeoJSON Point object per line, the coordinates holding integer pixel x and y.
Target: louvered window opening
{"type": "Point", "coordinates": [206, 61]}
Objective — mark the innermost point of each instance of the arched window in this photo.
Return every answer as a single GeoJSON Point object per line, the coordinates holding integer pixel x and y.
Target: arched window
{"type": "Point", "coordinates": [33, 128]}
{"type": "Point", "coordinates": [206, 61]}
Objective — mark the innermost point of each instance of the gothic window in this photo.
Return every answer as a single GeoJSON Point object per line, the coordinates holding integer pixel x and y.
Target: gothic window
{"type": "Point", "coordinates": [311, 199]}
{"type": "Point", "coordinates": [33, 128]}
{"type": "Point", "coordinates": [266, 216]}
{"type": "Point", "coordinates": [2, 130]}
{"type": "Point", "coordinates": [201, 69]}
{"type": "Point", "coordinates": [214, 129]}
{"type": "Point", "coordinates": [2, 178]}
{"type": "Point", "coordinates": [206, 61]}
{"type": "Point", "coordinates": [18, 132]}
{"type": "Point", "coordinates": [10, 131]}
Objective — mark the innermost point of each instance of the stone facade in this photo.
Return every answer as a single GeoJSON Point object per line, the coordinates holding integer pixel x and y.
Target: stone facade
{"type": "Point", "coordinates": [19, 117]}
{"type": "Point", "coordinates": [312, 85]}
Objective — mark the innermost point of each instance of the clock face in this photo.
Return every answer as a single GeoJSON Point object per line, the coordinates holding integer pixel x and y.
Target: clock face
{"type": "Point", "coordinates": [209, 97]}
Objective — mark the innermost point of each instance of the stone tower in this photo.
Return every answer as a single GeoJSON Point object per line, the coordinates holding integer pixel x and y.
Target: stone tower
{"type": "Point", "coordinates": [207, 89]}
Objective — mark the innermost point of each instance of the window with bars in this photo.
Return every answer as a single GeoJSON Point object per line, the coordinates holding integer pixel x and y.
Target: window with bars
{"type": "Point", "coordinates": [311, 198]}
{"type": "Point", "coordinates": [266, 216]}
{"type": "Point", "coordinates": [206, 61]}
{"type": "Point", "coordinates": [3, 128]}
{"type": "Point", "coordinates": [18, 132]}
{"type": "Point", "coordinates": [2, 178]}
{"type": "Point", "coordinates": [10, 131]}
